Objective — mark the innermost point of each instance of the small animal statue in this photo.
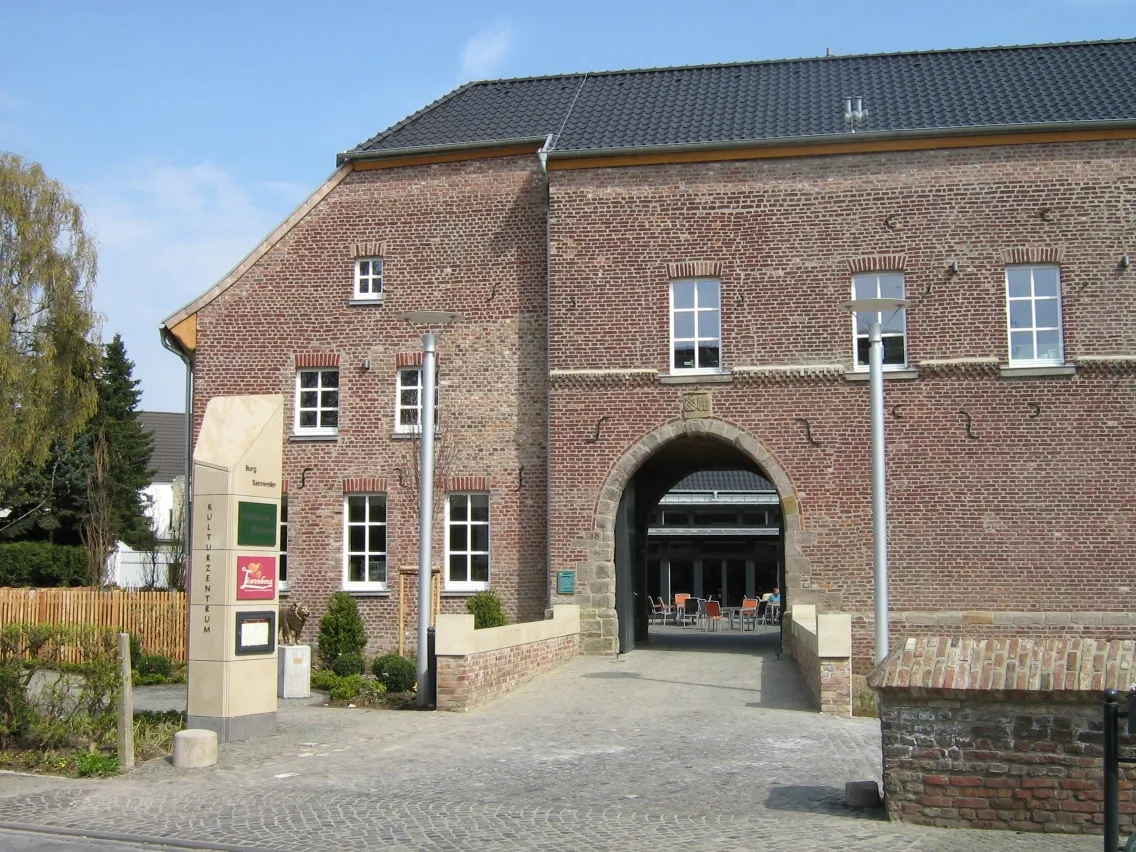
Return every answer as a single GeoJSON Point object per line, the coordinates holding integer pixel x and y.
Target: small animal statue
{"type": "Point", "coordinates": [292, 620]}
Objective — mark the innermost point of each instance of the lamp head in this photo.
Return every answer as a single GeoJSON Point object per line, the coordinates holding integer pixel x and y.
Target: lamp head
{"type": "Point", "coordinates": [873, 306]}
{"type": "Point", "coordinates": [431, 317]}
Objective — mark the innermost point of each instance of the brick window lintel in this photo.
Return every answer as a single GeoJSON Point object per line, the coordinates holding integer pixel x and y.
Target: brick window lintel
{"type": "Point", "coordinates": [695, 269]}
{"type": "Point", "coordinates": [365, 485]}
{"type": "Point", "coordinates": [877, 263]}
{"type": "Point", "coordinates": [369, 248]}
{"type": "Point", "coordinates": [316, 359]}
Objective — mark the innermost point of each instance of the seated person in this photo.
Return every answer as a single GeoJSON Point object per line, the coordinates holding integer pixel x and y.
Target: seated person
{"type": "Point", "coordinates": [775, 598]}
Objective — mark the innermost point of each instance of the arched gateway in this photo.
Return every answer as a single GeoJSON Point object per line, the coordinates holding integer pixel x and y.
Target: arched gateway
{"type": "Point", "coordinates": [633, 486]}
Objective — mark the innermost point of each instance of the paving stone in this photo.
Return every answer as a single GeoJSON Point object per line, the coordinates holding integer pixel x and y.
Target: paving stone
{"type": "Point", "coordinates": [703, 742]}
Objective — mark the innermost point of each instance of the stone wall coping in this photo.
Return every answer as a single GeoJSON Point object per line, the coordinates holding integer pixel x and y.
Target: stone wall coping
{"type": "Point", "coordinates": [827, 635]}
{"type": "Point", "coordinates": [455, 636]}
{"type": "Point", "coordinates": [1008, 665]}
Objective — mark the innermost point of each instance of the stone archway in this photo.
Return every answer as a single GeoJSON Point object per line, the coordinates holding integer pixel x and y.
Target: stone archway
{"type": "Point", "coordinates": [599, 623]}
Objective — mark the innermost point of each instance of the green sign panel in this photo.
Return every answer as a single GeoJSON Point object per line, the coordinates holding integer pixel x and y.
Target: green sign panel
{"type": "Point", "coordinates": [565, 582]}
{"type": "Point", "coordinates": [256, 524]}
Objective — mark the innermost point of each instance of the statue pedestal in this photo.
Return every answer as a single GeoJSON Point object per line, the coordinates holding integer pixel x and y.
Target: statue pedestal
{"type": "Point", "coordinates": [295, 671]}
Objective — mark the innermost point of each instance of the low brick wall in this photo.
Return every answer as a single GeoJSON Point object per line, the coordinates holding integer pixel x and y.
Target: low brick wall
{"type": "Point", "coordinates": [822, 646]}
{"type": "Point", "coordinates": [476, 666]}
{"type": "Point", "coordinates": [1001, 733]}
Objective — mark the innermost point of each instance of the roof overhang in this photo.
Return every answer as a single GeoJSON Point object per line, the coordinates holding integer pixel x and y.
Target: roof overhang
{"type": "Point", "coordinates": [460, 150]}
{"type": "Point", "coordinates": [845, 143]}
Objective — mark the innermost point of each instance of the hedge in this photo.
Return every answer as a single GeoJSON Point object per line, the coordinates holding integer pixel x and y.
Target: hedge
{"type": "Point", "coordinates": [41, 564]}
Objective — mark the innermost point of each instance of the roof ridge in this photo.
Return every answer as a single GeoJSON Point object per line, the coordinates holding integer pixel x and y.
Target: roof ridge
{"type": "Point", "coordinates": [787, 60]}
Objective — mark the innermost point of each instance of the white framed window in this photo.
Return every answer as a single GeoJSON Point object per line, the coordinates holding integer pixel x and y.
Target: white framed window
{"type": "Point", "coordinates": [365, 542]}
{"type": "Point", "coordinates": [1033, 314]}
{"type": "Point", "coordinates": [369, 278]}
{"type": "Point", "coordinates": [467, 542]}
{"type": "Point", "coordinates": [282, 562]}
{"type": "Point", "coordinates": [408, 402]}
{"type": "Point", "coordinates": [317, 401]}
{"type": "Point", "coordinates": [893, 324]}
{"type": "Point", "coordinates": [696, 325]}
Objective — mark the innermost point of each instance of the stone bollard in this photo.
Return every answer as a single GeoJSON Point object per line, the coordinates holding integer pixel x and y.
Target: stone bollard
{"type": "Point", "coordinates": [195, 748]}
{"type": "Point", "coordinates": [862, 794]}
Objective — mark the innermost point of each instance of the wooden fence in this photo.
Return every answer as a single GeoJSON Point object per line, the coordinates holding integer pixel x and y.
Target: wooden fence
{"type": "Point", "coordinates": [157, 619]}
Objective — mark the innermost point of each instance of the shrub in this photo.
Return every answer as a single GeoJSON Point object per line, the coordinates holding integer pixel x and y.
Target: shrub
{"type": "Point", "coordinates": [348, 664]}
{"type": "Point", "coordinates": [135, 650]}
{"type": "Point", "coordinates": [49, 702]}
{"type": "Point", "coordinates": [96, 764]}
{"type": "Point", "coordinates": [323, 679]}
{"type": "Point", "coordinates": [155, 665]}
{"type": "Point", "coordinates": [486, 609]}
{"type": "Point", "coordinates": [341, 629]}
{"type": "Point", "coordinates": [395, 673]}
{"type": "Point", "coordinates": [42, 564]}
{"type": "Point", "coordinates": [346, 688]}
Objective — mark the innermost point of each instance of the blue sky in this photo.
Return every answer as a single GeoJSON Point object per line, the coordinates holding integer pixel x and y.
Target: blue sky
{"type": "Point", "coordinates": [189, 130]}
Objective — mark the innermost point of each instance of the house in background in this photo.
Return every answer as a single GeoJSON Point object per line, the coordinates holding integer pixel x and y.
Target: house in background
{"type": "Point", "coordinates": [163, 498]}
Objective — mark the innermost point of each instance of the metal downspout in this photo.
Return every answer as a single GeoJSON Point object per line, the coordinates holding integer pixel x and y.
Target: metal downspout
{"type": "Point", "coordinates": [187, 498]}
{"type": "Point", "coordinates": [542, 157]}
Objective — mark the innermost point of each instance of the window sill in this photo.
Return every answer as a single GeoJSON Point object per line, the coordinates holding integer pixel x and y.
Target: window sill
{"type": "Point", "coordinates": [368, 593]}
{"type": "Point", "coordinates": [282, 587]}
{"type": "Point", "coordinates": [1036, 372]}
{"type": "Point", "coordinates": [692, 378]}
{"type": "Point", "coordinates": [300, 438]}
{"type": "Point", "coordinates": [464, 593]}
{"type": "Point", "coordinates": [905, 374]}
{"type": "Point", "coordinates": [364, 303]}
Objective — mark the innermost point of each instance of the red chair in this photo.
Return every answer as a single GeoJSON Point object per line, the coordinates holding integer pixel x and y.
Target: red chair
{"type": "Point", "coordinates": [713, 615]}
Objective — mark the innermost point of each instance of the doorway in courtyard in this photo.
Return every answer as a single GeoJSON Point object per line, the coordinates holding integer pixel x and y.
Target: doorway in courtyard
{"type": "Point", "coordinates": [699, 530]}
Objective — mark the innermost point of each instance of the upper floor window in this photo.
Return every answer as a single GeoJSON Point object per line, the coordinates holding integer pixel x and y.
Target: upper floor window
{"type": "Point", "coordinates": [365, 542]}
{"type": "Point", "coordinates": [408, 414]}
{"type": "Point", "coordinates": [317, 402]}
{"type": "Point", "coordinates": [369, 278]}
{"type": "Point", "coordinates": [696, 327]}
{"type": "Point", "coordinates": [1033, 308]}
{"type": "Point", "coordinates": [467, 542]}
{"type": "Point", "coordinates": [893, 324]}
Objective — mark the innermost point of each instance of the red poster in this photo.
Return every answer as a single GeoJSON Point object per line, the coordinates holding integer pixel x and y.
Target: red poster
{"type": "Point", "coordinates": [256, 578]}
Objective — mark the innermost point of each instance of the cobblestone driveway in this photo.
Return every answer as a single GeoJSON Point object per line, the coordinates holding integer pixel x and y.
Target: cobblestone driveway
{"type": "Point", "coordinates": [702, 743]}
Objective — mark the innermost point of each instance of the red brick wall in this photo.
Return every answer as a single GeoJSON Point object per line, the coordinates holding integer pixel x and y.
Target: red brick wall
{"type": "Point", "coordinates": [1034, 515]}
{"type": "Point", "coordinates": [468, 237]}
{"type": "Point", "coordinates": [985, 763]}
{"type": "Point", "coordinates": [466, 682]}
{"type": "Point", "coordinates": [829, 679]}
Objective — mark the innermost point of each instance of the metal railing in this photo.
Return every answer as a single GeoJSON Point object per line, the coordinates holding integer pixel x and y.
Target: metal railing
{"type": "Point", "coordinates": [1112, 760]}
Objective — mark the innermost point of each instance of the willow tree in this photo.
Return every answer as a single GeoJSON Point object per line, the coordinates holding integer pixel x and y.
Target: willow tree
{"type": "Point", "coordinates": [48, 356]}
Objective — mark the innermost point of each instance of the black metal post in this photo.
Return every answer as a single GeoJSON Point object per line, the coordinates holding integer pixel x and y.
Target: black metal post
{"type": "Point", "coordinates": [431, 670]}
{"type": "Point", "coordinates": [1111, 772]}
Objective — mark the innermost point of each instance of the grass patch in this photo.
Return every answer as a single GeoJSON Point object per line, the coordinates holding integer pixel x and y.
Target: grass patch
{"type": "Point", "coordinates": [154, 733]}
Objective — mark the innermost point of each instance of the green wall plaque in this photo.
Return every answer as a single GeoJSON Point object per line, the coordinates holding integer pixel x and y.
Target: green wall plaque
{"type": "Point", "coordinates": [565, 582]}
{"type": "Point", "coordinates": [256, 524]}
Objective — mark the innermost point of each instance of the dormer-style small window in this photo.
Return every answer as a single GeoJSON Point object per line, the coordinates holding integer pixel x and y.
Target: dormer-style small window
{"type": "Point", "coordinates": [369, 278]}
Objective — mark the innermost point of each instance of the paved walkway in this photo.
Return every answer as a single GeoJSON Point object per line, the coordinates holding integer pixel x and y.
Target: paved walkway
{"type": "Point", "coordinates": [702, 742]}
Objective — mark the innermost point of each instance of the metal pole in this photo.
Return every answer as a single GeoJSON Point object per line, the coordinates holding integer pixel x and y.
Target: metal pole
{"type": "Point", "coordinates": [1111, 772]}
{"type": "Point", "coordinates": [425, 515]}
{"type": "Point", "coordinates": [879, 487]}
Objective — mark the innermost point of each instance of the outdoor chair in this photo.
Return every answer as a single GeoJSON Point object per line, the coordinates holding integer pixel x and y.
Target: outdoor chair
{"type": "Point", "coordinates": [689, 612]}
{"type": "Point", "coordinates": [665, 610]}
{"type": "Point", "coordinates": [772, 613]}
{"type": "Point", "coordinates": [657, 614]}
{"type": "Point", "coordinates": [713, 615]}
{"type": "Point", "coordinates": [749, 613]}
{"type": "Point", "coordinates": [702, 612]}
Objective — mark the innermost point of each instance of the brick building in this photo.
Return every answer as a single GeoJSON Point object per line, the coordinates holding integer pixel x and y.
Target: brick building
{"type": "Point", "coordinates": [649, 266]}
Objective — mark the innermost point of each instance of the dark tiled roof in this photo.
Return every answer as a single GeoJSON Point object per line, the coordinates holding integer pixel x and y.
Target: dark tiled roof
{"type": "Point", "coordinates": [784, 99]}
{"type": "Point", "coordinates": [724, 480]}
{"type": "Point", "coordinates": [168, 459]}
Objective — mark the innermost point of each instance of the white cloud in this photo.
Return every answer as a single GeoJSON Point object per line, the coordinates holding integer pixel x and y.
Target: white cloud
{"type": "Point", "coordinates": [485, 53]}
{"type": "Point", "coordinates": [166, 234]}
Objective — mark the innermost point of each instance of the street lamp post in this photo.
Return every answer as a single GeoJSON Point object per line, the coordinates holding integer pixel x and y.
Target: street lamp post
{"type": "Point", "coordinates": [426, 486]}
{"type": "Point", "coordinates": [879, 459]}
